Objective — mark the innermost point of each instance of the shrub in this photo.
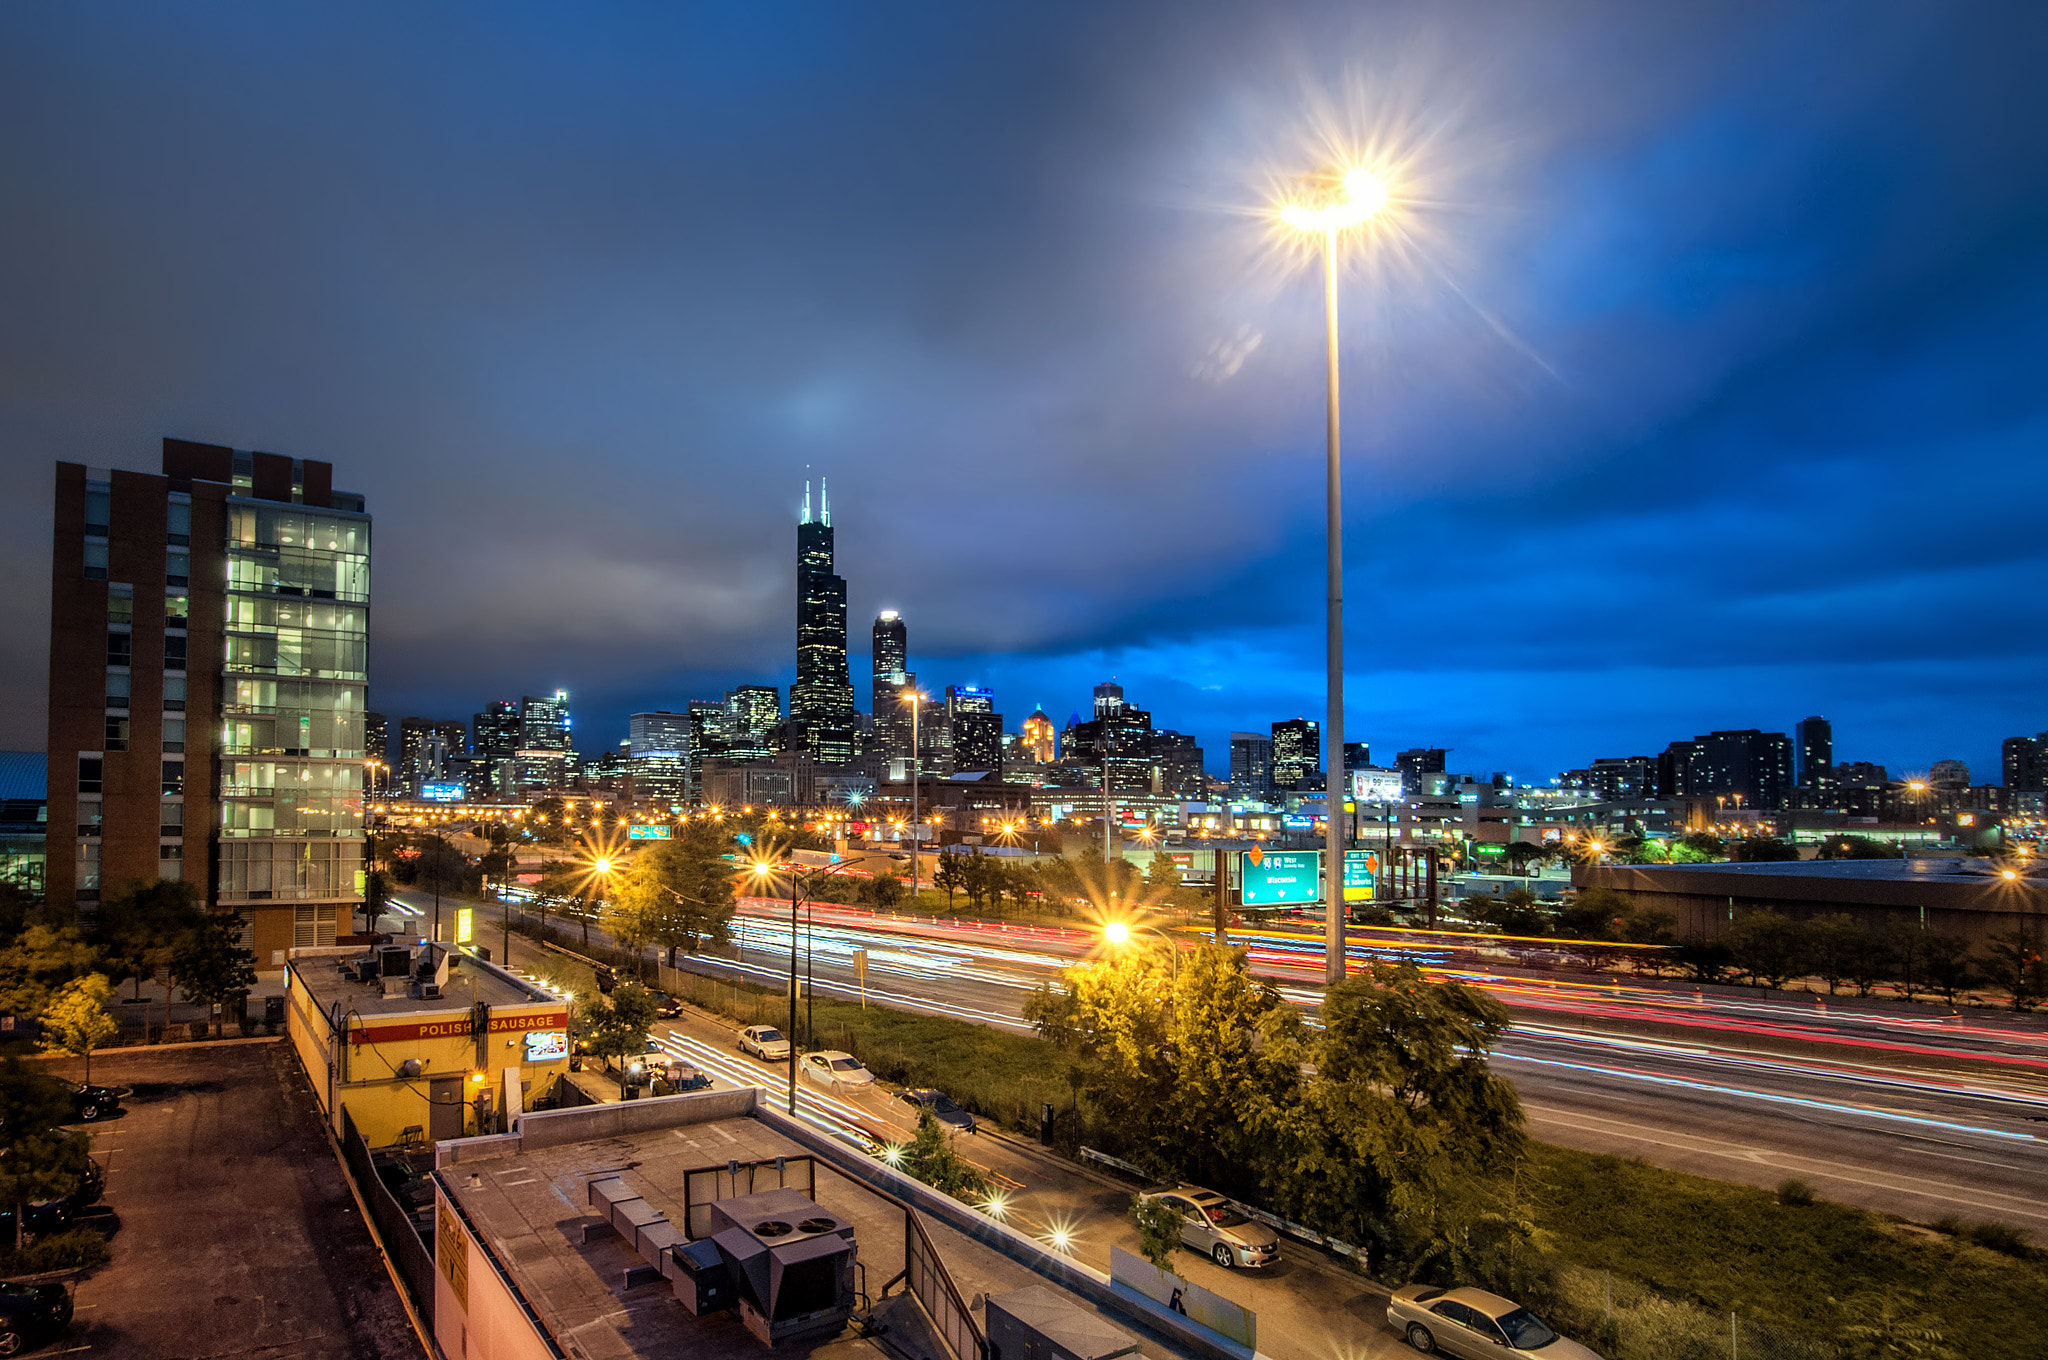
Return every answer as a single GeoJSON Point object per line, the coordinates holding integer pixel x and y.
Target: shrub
{"type": "Point", "coordinates": [200, 1029]}
{"type": "Point", "coordinates": [1795, 1193]}
{"type": "Point", "coordinates": [75, 1249]}
{"type": "Point", "coordinates": [2000, 1237]}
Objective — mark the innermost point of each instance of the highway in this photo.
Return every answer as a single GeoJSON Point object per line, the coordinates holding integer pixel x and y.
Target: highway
{"type": "Point", "coordinates": [1921, 1115]}
{"type": "Point", "coordinates": [1906, 1110]}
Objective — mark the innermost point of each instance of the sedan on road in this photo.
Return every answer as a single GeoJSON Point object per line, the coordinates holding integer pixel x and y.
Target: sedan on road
{"type": "Point", "coordinates": [30, 1312]}
{"type": "Point", "coordinates": [1213, 1226]}
{"type": "Point", "coordinates": [666, 1006]}
{"type": "Point", "coordinates": [764, 1042]}
{"type": "Point", "coordinates": [92, 1102]}
{"type": "Point", "coordinates": [1472, 1322]}
{"type": "Point", "coordinates": [942, 1107]}
{"type": "Point", "coordinates": [836, 1071]}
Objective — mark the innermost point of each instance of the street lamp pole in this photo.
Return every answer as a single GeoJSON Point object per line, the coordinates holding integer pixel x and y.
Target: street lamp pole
{"type": "Point", "coordinates": [1333, 736]}
{"type": "Point", "coordinates": [1337, 203]}
{"type": "Point", "coordinates": [916, 829]}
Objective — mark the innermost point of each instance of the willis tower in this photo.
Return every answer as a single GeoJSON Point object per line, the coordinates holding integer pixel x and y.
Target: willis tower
{"type": "Point", "coordinates": [821, 700]}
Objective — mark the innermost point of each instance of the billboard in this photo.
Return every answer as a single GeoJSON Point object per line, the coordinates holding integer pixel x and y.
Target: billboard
{"type": "Point", "coordinates": [647, 831]}
{"type": "Point", "coordinates": [450, 792]}
{"type": "Point", "coordinates": [1361, 874]}
{"type": "Point", "coordinates": [1281, 878]}
{"type": "Point", "coordinates": [1376, 786]}
{"type": "Point", "coordinates": [546, 1045]}
{"type": "Point", "coordinates": [465, 925]}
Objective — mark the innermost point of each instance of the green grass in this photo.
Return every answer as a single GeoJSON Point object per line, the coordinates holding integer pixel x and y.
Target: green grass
{"type": "Point", "coordinates": [1736, 1248]}
{"type": "Point", "coordinates": [75, 1249]}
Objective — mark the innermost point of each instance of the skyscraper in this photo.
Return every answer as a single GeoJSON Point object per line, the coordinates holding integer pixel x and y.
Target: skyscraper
{"type": "Point", "coordinates": [2025, 762]}
{"type": "Point", "coordinates": [1814, 747]}
{"type": "Point", "coordinates": [494, 736]}
{"type": "Point", "coordinates": [1748, 767]}
{"type": "Point", "coordinates": [376, 752]}
{"type": "Point", "coordinates": [425, 748]}
{"type": "Point", "coordinates": [821, 700]}
{"type": "Point", "coordinates": [207, 662]}
{"type": "Point", "coordinates": [891, 675]}
{"type": "Point", "coordinates": [976, 728]}
{"type": "Point", "coordinates": [547, 747]}
{"type": "Point", "coordinates": [752, 713]}
{"type": "Point", "coordinates": [1251, 767]}
{"type": "Point", "coordinates": [1297, 754]}
{"type": "Point", "coordinates": [657, 756]}
{"type": "Point", "coordinates": [1041, 738]}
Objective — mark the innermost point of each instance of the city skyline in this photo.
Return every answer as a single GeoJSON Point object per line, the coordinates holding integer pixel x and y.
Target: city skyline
{"type": "Point", "coordinates": [1659, 445]}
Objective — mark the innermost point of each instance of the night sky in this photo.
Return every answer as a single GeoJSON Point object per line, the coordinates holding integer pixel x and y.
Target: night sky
{"type": "Point", "coordinates": [1699, 382]}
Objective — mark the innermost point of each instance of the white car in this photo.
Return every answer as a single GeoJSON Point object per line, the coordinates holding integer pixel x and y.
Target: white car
{"type": "Point", "coordinates": [764, 1042]}
{"type": "Point", "coordinates": [835, 1070]}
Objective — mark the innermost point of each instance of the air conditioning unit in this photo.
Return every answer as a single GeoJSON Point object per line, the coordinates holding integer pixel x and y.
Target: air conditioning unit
{"type": "Point", "coordinates": [430, 991]}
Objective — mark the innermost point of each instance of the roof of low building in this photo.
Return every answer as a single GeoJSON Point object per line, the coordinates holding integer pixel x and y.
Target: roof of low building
{"type": "Point", "coordinates": [24, 774]}
{"type": "Point", "coordinates": [470, 981]}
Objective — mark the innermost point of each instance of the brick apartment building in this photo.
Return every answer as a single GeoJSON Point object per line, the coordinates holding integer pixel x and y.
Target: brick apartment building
{"type": "Point", "coordinates": [208, 640]}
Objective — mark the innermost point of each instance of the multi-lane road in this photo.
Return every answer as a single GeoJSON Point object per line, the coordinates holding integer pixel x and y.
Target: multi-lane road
{"type": "Point", "coordinates": [1909, 1110]}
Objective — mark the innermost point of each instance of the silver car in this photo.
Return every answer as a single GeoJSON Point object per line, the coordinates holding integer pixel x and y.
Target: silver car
{"type": "Point", "coordinates": [1213, 1226]}
{"type": "Point", "coordinates": [764, 1042]}
{"type": "Point", "coordinates": [1474, 1323]}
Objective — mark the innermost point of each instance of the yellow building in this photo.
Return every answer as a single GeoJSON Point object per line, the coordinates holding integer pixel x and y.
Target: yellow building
{"type": "Point", "coordinates": [422, 1041]}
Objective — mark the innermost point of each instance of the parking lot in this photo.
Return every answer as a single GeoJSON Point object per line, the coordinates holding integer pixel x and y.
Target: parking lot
{"type": "Point", "coordinates": [234, 1231]}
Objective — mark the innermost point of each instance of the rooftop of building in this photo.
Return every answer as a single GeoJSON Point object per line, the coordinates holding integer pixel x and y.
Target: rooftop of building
{"type": "Point", "coordinates": [24, 775]}
{"type": "Point", "coordinates": [532, 1204]}
{"type": "Point", "coordinates": [332, 975]}
{"type": "Point", "coordinates": [1861, 870]}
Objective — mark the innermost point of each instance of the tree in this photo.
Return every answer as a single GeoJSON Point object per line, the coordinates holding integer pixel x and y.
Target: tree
{"type": "Point", "coordinates": [1856, 847]}
{"type": "Point", "coordinates": [1893, 1325]}
{"type": "Point", "coordinates": [41, 960]}
{"type": "Point", "coordinates": [1158, 1231]}
{"type": "Point", "coordinates": [1763, 850]}
{"type": "Point", "coordinates": [929, 1156]}
{"type": "Point", "coordinates": [1907, 946]}
{"type": "Point", "coordinates": [1767, 947]}
{"type": "Point", "coordinates": [1649, 925]}
{"type": "Point", "coordinates": [1948, 965]}
{"type": "Point", "coordinates": [376, 892]}
{"type": "Point", "coordinates": [882, 891]}
{"type": "Point", "coordinates": [1832, 945]}
{"type": "Point", "coordinates": [1162, 877]}
{"type": "Point", "coordinates": [1592, 914]}
{"type": "Point", "coordinates": [2012, 963]}
{"type": "Point", "coordinates": [18, 906]}
{"type": "Point", "coordinates": [1703, 844]}
{"type": "Point", "coordinates": [77, 1020]}
{"type": "Point", "coordinates": [1521, 854]}
{"type": "Point", "coordinates": [211, 966]}
{"type": "Point", "coordinates": [950, 877]}
{"type": "Point", "coordinates": [38, 1160]}
{"type": "Point", "coordinates": [1705, 960]}
{"type": "Point", "coordinates": [1400, 1114]}
{"type": "Point", "coordinates": [618, 1024]}
{"type": "Point", "coordinates": [140, 925]}
{"type": "Point", "coordinates": [1871, 961]}
{"type": "Point", "coordinates": [678, 893]}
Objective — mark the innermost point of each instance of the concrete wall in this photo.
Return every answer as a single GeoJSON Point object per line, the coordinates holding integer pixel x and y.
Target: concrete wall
{"type": "Point", "coordinates": [476, 1315]}
{"type": "Point", "coordinates": [553, 1128]}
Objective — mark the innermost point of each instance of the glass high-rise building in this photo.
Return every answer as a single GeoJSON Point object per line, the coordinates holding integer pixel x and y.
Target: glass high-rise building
{"type": "Point", "coordinates": [546, 757]}
{"type": "Point", "coordinates": [1297, 754]}
{"type": "Point", "coordinates": [821, 700]}
{"type": "Point", "coordinates": [1814, 752]}
{"type": "Point", "coordinates": [975, 727]}
{"type": "Point", "coordinates": [208, 657]}
{"type": "Point", "coordinates": [891, 675]}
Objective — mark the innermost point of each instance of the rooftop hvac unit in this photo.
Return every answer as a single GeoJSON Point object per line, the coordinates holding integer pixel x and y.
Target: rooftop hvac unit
{"type": "Point", "coordinates": [430, 991]}
{"type": "Point", "coordinates": [791, 1264]}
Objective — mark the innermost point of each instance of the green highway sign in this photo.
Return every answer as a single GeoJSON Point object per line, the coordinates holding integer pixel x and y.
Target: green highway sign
{"type": "Point", "coordinates": [1361, 874]}
{"type": "Point", "coordinates": [1282, 878]}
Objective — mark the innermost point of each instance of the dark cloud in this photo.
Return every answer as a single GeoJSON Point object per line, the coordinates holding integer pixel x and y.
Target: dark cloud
{"type": "Point", "coordinates": [1701, 391]}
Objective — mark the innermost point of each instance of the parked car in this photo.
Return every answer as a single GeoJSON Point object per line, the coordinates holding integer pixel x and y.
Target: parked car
{"type": "Point", "coordinates": [47, 1216]}
{"type": "Point", "coordinates": [860, 1140]}
{"type": "Point", "coordinates": [666, 1006]}
{"type": "Point", "coordinates": [942, 1107]}
{"type": "Point", "coordinates": [30, 1312]}
{"type": "Point", "coordinates": [764, 1042]}
{"type": "Point", "coordinates": [91, 1102]}
{"type": "Point", "coordinates": [1213, 1226]}
{"type": "Point", "coordinates": [1472, 1322]}
{"type": "Point", "coordinates": [835, 1070]}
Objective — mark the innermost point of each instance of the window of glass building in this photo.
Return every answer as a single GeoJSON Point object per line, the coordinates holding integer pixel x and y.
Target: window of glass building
{"type": "Point", "coordinates": [178, 521]}
{"type": "Point", "coordinates": [95, 561]}
{"type": "Point", "coordinates": [177, 605]}
{"type": "Point", "coordinates": [174, 734]}
{"type": "Point", "coordinates": [171, 817]}
{"type": "Point", "coordinates": [89, 816]}
{"type": "Point", "coordinates": [89, 867]}
{"type": "Point", "coordinates": [117, 689]}
{"type": "Point", "coordinates": [177, 567]}
{"type": "Point", "coordinates": [174, 776]}
{"type": "Point", "coordinates": [174, 693]}
{"type": "Point", "coordinates": [174, 651]}
{"type": "Point", "coordinates": [99, 502]}
{"type": "Point", "coordinates": [120, 605]}
{"type": "Point", "coordinates": [120, 648]}
{"type": "Point", "coordinates": [90, 771]}
{"type": "Point", "coordinates": [117, 735]}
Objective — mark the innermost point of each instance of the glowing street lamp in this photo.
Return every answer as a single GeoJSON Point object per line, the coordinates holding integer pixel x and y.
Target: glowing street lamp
{"type": "Point", "coordinates": [1332, 206]}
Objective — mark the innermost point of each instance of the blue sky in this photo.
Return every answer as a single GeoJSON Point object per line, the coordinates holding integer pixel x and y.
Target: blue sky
{"type": "Point", "coordinates": [1699, 387]}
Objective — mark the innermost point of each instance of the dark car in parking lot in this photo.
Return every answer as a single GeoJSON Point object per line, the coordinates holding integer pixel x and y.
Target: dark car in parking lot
{"type": "Point", "coordinates": [89, 1103]}
{"type": "Point", "coordinates": [30, 1312]}
{"type": "Point", "coordinates": [47, 1216]}
{"type": "Point", "coordinates": [941, 1105]}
